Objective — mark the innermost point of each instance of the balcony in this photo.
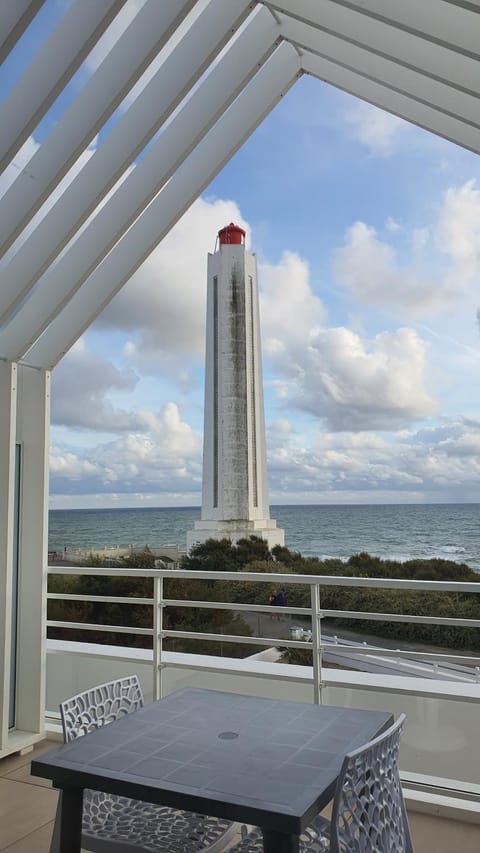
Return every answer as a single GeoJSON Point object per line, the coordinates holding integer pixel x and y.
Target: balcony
{"type": "Point", "coordinates": [28, 807]}
{"type": "Point", "coordinates": [439, 757]}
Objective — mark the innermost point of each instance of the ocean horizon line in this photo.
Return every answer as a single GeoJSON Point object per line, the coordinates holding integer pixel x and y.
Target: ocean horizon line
{"type": "Point", "coordinates": [191, 507]}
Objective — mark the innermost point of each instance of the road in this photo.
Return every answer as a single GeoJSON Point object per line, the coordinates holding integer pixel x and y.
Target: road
{"type": "Point", "coordinates": [279, 627]}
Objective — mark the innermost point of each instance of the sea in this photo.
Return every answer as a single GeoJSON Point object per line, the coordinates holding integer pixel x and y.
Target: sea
{"type": "Point", "coordinates": [398, 532]}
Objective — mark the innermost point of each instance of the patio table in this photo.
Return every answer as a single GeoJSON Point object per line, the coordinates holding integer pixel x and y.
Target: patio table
{"type": "Point", "coordinates": [268, 762]}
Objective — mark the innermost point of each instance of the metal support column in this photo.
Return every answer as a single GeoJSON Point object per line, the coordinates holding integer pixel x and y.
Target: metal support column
{"type": "Point", "coordinates": [157, 638]}
{"type": "Point", "coordinates": [316, 643]}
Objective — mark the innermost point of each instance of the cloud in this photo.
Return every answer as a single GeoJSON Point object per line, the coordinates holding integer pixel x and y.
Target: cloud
{"type": "Point", "coordinates": [458, 229]}
{"type": "Point", "coordinates": [67, 465]}
{"type": "Point", "coordinates": [392, 225]}
{"type": "Point", "coordinates": [445, 263]}
{"type": "Point", "coordinates": [453, 463]}
{"type": "Point", "coordinates": [80, 387]}
{"type": "Point", "coordinates": [364, 385]}
{"type": "Point", "coordinates": [286, 294]}
{"type": "Point", "coordinates": [165, 465]}
{"type": "Point", "coordinates": [162, 307]}
{"type": "Point", "coordinates": [370, 270]}
{"type": "Point", "coordinates": [166, 459]}
{"type": "Point", "coordinates": [376, 129]}
{"type": "Point", "coordinates": [428, 465]}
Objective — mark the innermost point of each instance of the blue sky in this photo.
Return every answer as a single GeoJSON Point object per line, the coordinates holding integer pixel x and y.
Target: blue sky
{"type": "Point", "coordinates": [367, 233]}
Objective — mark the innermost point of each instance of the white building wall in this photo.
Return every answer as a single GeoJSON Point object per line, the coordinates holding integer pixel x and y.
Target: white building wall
{"type": "Point", "coordinates": [24, 433]}
{"type": "Point", "coordinates": [8, 394]}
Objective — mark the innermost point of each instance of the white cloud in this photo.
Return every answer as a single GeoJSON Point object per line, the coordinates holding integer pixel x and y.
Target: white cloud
{"type": "Point", "coordinates": [289, 309]}
{"type": "Point", "coordinates": [458, 229]}
{"type": "Point", "coordinates": [363, 385]}
{"type": "Point", "coordinates": [165, 465]}
{"type": "Point", "coordinates": [81, 384]}
{"type": "Point", "coordinates": [371, 270]}
{"type": "Point", "coordinates": [280, 428]}
{"type": "Point", "coordinates": [64, 463]}
{"type": "Point", "coordinates": [379, 131]}
{"type": "Point", "coordinates": [445, 264]}
{"type": "Point", "coordinates": [162, 307]}
{"type": "Point", "coordinates": [420, 239]}
{"type": "Point", "coordinates": [427, 465]}
{"type": "Point", "coordinates": [392, 225]}
{"type": "Point", "coordinates": [166, 459]}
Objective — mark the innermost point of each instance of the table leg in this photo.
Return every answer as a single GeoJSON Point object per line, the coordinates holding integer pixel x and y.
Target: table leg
{"type": "Point", "coordinates": [279, 842]}
{"type": "Point", "coordinates": [71, 820]}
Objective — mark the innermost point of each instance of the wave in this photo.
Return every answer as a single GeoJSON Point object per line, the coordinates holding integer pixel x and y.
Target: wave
{"type": "Point", "coordinates": [453, 549]}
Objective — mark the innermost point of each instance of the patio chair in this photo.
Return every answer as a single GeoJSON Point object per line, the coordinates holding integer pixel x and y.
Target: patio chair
{"type": "Point", "coordinates": [114, 824]}
{"type": "Point", "coordinates": [368, 812]}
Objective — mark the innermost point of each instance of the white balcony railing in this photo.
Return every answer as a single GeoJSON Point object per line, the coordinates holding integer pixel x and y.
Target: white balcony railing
{"type": "Point", "coordinates": [440, 749]}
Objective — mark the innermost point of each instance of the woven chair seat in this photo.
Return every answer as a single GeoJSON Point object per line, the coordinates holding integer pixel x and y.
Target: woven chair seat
{"type": "Point", "coordinates": [114, 824]}
{"type": "Point", "coordinates": [146, 826]}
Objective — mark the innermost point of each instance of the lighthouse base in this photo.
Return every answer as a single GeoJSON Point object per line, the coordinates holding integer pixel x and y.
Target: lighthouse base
{"type": "Point", "coordinates": [236, 529]}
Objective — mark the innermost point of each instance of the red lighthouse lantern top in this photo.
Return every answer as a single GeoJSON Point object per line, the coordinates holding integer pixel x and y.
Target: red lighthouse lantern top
{"type": "Point", "coordinates": [231, 234]}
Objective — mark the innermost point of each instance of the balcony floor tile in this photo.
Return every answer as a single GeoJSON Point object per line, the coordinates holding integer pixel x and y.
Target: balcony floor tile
{"type": "Point", "coordinates": [27, 809]}
{"type": "Point", "coordinates": [24, 808]}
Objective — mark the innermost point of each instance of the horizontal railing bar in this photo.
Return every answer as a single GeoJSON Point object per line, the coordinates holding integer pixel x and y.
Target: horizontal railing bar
{"type": "Point", "coordinates": [105, 599]}
{"type": "Point", "coordinates": [417, 656]}
{"type": "Point", "coordinates": [264, 608]}
{"type": "Point", "coordinates": [227, 605]}
{"type": "Point", "coordinates": [87, 626]}
{"type": "Point", "coordinates": [338, 614]}
{"type": "Point", "coordinates": [401, 617]}
{"type": "Point", "coordinates": [235, 638]}
{"type": "Point", "coordinates": [274, 578]}
{"type": "Point", "coordinates": [293, 676]}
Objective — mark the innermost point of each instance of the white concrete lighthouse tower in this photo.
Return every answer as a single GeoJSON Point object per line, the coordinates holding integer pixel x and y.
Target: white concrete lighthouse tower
{"type": "Point", "coordinates": [235, 494]}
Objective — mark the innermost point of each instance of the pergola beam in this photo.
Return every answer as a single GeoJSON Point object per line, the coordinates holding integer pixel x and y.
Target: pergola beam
{"type": "Point", "coordinates": [414, 84]}
{"type": "Point", "coordinates": [214, 95]}
{"type": "Point", "coordinates": [412, 110]}
{"type": "Point", "coordinates": [122, 67]}
{"type": "Point", "coordinates": [180, 70]}
{"type": "Point", "coordinates": [232, 129]}
{"type": "Point", "coordinates": [14, 20]}
{"type": "Point", "coordinates": [50, 71]}
{"type": "Point", "coordinates": [439, 61]}
{"type": "Point", "coordinates": [421, 18]}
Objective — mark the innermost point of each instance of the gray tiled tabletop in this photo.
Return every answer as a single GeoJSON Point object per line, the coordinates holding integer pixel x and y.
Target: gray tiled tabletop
{"type": "Point", "coordinates": [269, 762]}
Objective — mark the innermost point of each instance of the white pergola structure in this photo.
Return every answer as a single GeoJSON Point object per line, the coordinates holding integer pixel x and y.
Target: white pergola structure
{"type": "Point", "coordinates": [219, 67]}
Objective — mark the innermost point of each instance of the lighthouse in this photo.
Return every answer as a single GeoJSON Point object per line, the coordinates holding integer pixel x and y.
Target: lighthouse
{"type": "Point", "coordinates": [235, 501]}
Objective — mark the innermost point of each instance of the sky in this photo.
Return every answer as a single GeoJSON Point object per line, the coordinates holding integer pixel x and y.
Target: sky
{"type": "Point", "coordinates": [367, 236]}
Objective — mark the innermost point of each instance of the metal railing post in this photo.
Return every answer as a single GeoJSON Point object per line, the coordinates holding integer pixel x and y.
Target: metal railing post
{"type": "Point", "coordinates": [316, 643]}
{"type": "Point", "coordinates": [157, 637]}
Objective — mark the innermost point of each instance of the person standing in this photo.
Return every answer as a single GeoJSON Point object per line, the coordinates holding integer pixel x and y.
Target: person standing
{"type": "Point", "coordinates": [273, 600]}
